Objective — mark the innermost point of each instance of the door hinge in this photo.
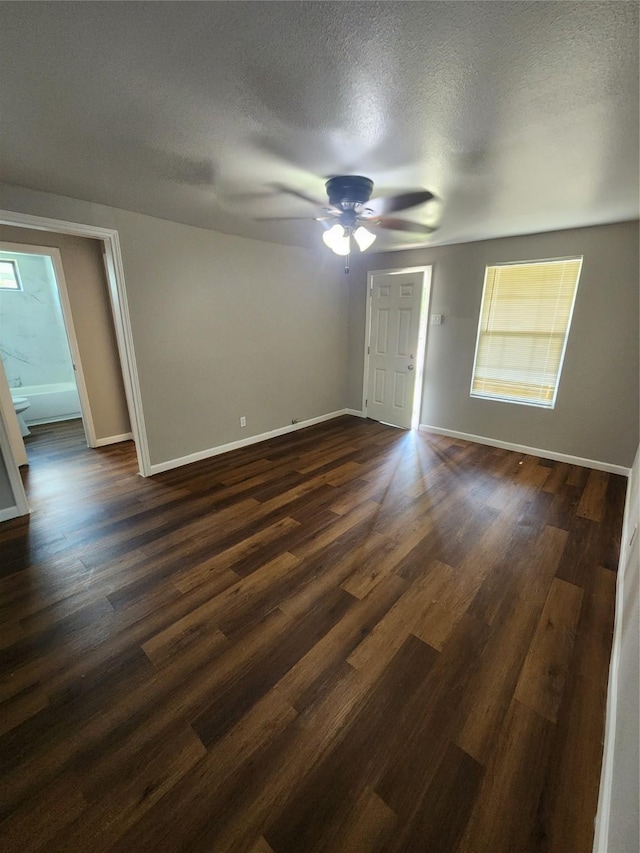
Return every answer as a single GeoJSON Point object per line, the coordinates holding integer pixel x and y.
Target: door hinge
{"type": "Point", "coordinates": [371, 291]}
{"type": "Point", "coordinates": [366, 403]}
{"type": "Point", "coordinates": [368, 350]}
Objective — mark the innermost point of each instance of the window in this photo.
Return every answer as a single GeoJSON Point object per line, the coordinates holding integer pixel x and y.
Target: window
{"type": "Point", "coordinates": [9, 277]}
{"type": "Point", "coordinates": [522, 334]}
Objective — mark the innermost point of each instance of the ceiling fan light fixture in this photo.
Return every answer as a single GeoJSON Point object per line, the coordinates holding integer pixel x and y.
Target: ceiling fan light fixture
{"type": "Point", "coordinates": [337, 239]}
{"type": "Point", "coordinates": [363, 238]}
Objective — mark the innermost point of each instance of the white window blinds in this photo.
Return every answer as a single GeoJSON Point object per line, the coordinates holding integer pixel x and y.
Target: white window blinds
{"type": "Point", "coordinates": [524, 322]}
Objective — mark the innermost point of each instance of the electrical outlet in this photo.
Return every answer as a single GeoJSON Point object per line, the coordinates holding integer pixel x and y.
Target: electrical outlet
{"type": "Point", "coordinates": [243, 421]}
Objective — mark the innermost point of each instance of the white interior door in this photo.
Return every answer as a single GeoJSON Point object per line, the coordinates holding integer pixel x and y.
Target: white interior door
{"type": "Point", "coordinates": [393, 344]}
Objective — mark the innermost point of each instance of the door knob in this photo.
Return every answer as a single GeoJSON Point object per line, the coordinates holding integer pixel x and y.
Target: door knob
{"type": "Point", "coordinates": [410, 367]}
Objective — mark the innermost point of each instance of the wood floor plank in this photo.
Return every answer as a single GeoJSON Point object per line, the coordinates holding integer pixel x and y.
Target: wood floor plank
{"type": "Point", "coordinates": [39, 818]}
{"type": "Point", "coordinates": [369, 826]}
{"type": "Point", "coordinates": [235, 695]}
{"type": "Point", "coordinates": [440, 819]}
{"type": "Point", "coordinates": [609, 538]}
{"type": "Point", "coordinates": [261, 846]}
{"type": "Point", "coordinates": [178, 819]}
{"type": "Point", "coordinates": [21, 707]}
{"type": "Point", "coordinates": [309, 820]}
{"type": "Point", "coordinates": [348, 638]}
{"type": "Point", "coordinates": [433, 722]}
{"type": "Point", "coordinates": [398, 623]}
{"type": "Point", "coordinates": [457, 596]}
{"type": "Point", "coordinates": [121, 800]}
{"type": "Point", "coordinates": [311, 736]}
{"type": "Point", "coordinates": [304, 681]}
{"type": "Point", "coordinates": [592, 502]}
{"type": "Point", "coordinates": [233, 555]}
{"type": "Point", "coordinates": [542, 680]}
{"type": "Point", "coordinates": [526, 569]}
{"type": "Point", "coordinates": [232, 599]}
{"type": "Point", "coordinates": [227, 519]}
{"type": "Point", "coordinates": [513, 608]}
{"type": "Point", "coordinates": [505, 816]}
{"type": "Point", "coordinates": [579, 735]}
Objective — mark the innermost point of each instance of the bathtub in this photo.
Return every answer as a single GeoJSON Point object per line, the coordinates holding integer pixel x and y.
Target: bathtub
{"type": "Point", "coordinates": [55, 402]}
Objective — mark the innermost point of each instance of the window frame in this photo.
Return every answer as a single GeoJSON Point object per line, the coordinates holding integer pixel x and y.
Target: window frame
{"type": "Point", "coordinates": [16, 275]}
{"type": "Point", "coordinates": [494, 398]}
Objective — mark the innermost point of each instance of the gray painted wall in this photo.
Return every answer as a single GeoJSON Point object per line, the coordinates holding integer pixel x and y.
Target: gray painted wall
{"type": "Point", "coordinates": [225, 327]}
{"type": "Point", "coordinates": [596, 413]}
{"type": "Point", "coordinates": [222, 326]}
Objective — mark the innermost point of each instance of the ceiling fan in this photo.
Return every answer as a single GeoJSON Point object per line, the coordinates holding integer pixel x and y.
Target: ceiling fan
{"type": "Point", "coordinates": [350, 205]}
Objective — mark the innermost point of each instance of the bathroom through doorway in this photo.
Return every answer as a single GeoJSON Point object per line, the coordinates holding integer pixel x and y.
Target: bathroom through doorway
{"type": "Point", "coordinates": [38, 346]}
{"type": "Point", "coordinates": [59, 358]}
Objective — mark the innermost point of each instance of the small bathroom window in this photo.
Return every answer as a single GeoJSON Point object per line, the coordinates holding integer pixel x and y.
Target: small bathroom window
{"type": "Point", "coordinates": [9, 276]}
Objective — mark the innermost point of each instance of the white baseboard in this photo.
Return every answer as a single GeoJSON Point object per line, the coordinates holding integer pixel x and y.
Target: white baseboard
{"type": "Point", "coordinates": [530, 451]}
{"type": "Point", "coordinates": [99, 442]}
{"type": "Point", "coordinates": [159, 467]}
{"type": "Point", "coordinates": [55, 420]}
{"type": "Point", "coordinates": [10, 512]}
{"type": "Point", "coordinates": [357, 413]}
{"type": "Point", "coordinates": [113, 439]}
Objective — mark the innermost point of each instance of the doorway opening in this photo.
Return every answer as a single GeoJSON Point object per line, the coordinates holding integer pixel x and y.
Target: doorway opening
{"type": "Point", "coordinates": [117, 310]}
{"type": "Point", "coordinates": [40, 358]}
{"type": "Point", "coordinates": [395, 344]}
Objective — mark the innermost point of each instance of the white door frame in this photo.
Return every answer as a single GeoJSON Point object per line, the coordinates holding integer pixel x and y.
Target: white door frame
{"type": "Point", "coordinates": [61, 286]}
{"type": "Point", "coordinates": [21, 505]}
{"type": "Point", "coordinates": [11, 421]}
{"type": "Point", "coordinates": [425, 300]}
{"type": "Point", "coordinates": [122, 323]}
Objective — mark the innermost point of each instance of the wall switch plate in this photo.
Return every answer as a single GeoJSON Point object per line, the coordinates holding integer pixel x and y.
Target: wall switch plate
{"type": "Point", "coordinates": [436, 319]}
{"type": "Point", "coordinates": [243, 421]}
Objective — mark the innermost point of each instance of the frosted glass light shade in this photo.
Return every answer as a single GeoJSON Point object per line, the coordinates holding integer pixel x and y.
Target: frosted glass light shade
{"type": "Point", "coordinates": [336, 239]}
{"type": "Point", "coordinates": [363, 238]}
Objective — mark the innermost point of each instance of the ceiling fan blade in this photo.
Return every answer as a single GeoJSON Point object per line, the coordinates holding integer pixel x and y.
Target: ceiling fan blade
{"type": "Point", "coordinates": [376, 207]}
{"type": "Point", "coordinates": [403, 225]}
{"type": "Point", "coordinates": [290, 218]}
{"type": "Point", "coordinates": [281, 188]}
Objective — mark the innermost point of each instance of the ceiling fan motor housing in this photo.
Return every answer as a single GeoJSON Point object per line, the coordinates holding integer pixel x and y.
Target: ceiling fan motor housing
{"type": "Point", "coordinates": [345, 191]}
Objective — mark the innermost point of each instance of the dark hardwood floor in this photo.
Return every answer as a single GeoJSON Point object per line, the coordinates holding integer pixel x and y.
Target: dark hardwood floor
{"type": "Point", "coordinates": [349, 638]}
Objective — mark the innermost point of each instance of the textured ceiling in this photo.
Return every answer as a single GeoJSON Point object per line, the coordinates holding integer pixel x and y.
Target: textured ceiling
{"type": "Point", "coordinates": [520, 116]}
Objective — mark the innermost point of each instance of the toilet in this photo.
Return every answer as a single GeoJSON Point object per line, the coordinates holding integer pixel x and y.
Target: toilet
{"type": "Point", "coordinates": [21, 404]}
